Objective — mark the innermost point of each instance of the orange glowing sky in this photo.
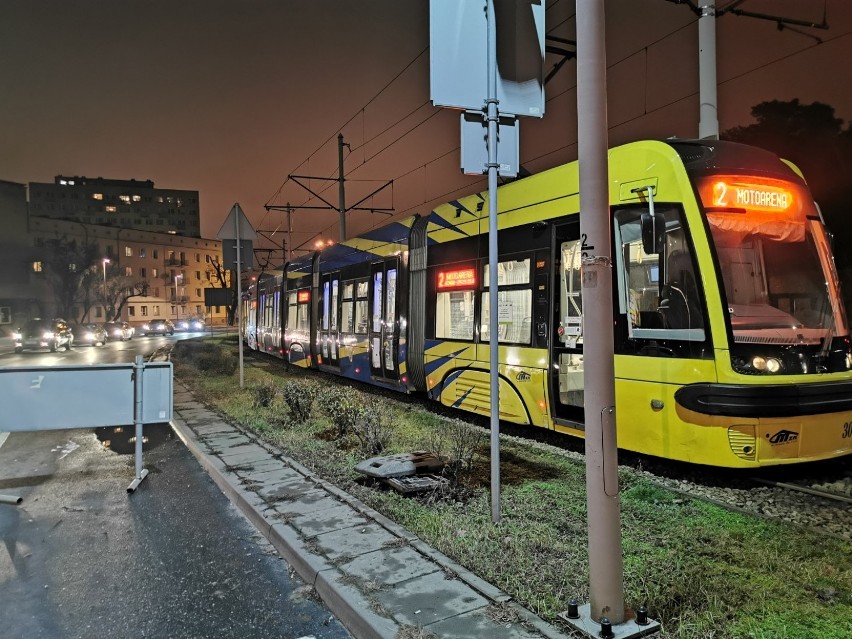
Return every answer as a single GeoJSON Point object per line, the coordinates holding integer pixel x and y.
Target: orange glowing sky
{"type": "Point", "coordinates": [229, 97]}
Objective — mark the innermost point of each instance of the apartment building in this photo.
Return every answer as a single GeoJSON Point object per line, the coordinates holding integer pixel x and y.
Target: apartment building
{"type": "Point", "coordinates": [130, 204]}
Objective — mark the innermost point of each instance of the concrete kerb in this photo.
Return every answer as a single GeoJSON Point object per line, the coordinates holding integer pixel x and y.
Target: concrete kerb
{"type": "Point", "coordinates": [343, 599]}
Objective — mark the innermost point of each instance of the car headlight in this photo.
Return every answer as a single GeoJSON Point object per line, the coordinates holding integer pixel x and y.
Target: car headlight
{"type": "Point", "coordinates": [89, 336]}
{"type": "Point", "coordinates": [17, 336]}
{"type": "Point", "coordinates": [47, 335]}
{"type": "Point", "coordinates": [145, 327]}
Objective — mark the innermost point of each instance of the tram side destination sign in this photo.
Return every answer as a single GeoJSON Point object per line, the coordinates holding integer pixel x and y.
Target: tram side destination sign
{"type": "Point", "coordinates": [458, 39]}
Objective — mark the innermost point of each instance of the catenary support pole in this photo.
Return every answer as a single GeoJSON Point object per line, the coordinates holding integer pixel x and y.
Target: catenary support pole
{"type": "Point", "coordinates": [493, 298]}
{"type": "Point", "coordinates": [605, 558]}
{"type": "Point", "coordinates": [341, 188]}
{"type": "Point", "coordinates": [708, 117]}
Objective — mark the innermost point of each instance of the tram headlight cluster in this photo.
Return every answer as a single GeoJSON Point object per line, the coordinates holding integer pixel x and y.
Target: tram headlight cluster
{"type": "Point", "coordinates": [759, 365]}
{"type": "Point", "coordinates": [765, 364]}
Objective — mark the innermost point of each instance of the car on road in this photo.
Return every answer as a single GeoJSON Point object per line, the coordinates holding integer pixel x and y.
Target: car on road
{"type": "Point", "coordinates": [159, 326]}
{"type": "Point", "coordinates": [89, 335]}
{"type": "Point", "coordinates": [119, 331]}
{"type": "Point", "coordinates": [36, 334]}
{"type": "Point", "coordinates": [190, 325]}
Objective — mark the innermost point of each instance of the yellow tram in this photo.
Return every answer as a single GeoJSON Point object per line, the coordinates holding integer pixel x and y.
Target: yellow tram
{"type": "Point", "coordinates": [731, 343]}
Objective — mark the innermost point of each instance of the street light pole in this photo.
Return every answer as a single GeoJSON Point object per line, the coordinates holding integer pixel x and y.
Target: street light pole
{"type": "Point", "coordinates": [105, 262]}
{"type": "Point", "coordinates": [177, 300]}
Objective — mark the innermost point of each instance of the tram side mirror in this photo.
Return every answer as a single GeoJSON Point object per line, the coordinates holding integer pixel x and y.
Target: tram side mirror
{"type": "Point", "coordinates": [653, 233]}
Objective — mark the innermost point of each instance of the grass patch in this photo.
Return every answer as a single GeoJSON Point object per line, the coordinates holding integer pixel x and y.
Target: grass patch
{"type": "Point", "coordinates": [702, 571]}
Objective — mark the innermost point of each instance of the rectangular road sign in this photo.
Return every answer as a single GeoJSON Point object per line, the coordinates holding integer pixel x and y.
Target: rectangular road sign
{"type": "Point", "coordinates": [60, 397]}
{"type": "Point", "coordinates": [458, 51]}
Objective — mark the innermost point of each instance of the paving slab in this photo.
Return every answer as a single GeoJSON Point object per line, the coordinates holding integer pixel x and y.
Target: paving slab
{"type": "Point", "coordinates": [429, 598]}
{"type": "Point", "coordinates": [290, 490]}
{"type": "Point", "coordinates": [312, 502]}
{"type": "Point", "coordinates": [318, 522]}
{"type": "Point", "coordinates": [240, 455]}
{"type": "Point", "coordinates": [268, 472]}
{"type": "Point", "coordinates": [354, 541]}
{"type": "Point", "coordinates": [476, 625]}
{"type": "Point", "coordinates": [256, 468]}
{"type": "Point", "coordinates": [389, 566]}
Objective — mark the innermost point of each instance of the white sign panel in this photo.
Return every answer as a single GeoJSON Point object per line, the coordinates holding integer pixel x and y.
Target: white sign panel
{"type": "Point", "coordinates": [474, 145]}
{"type": "Point", "coordinates": [458, 38]}
{"type": "Point", "coordinates": [60, 397]}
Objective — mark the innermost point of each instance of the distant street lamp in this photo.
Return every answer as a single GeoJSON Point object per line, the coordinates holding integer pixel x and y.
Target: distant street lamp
{"type": "Point", "coordinates": [177, 299]}
{"type": "Point", "coordinates": [105, 262]}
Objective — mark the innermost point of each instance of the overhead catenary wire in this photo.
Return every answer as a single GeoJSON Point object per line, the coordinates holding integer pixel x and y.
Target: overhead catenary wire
{"type": "Point", "coordinates": [643, 50]}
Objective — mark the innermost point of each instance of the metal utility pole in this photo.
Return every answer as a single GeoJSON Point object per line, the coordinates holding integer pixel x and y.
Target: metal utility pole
{"type": "Point", "coordinates": [341, 189]}
{"type": "Point", "coordinates": [493, 297]}
{"type": "Point", "coordinates": [341, 208]}
{"type": "Point", "coordinates": [708, 121]}
{"type": "Point", "coordinates": [604, 519]}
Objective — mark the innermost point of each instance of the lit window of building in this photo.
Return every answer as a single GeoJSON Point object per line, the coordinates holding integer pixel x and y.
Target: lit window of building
{"type": "Point", "coordinates": [97, 196]}
{"type": "Point", "coordinates": [110, 209]}
{"type": "Point", "coordinates": [124, 198]}
{"type": "Point", "coordinates": [37, 267]}
{"type": "Point", "coordinates": [128, 251]}
{"type": "Point", "coordinates": [128, 271]}
{"type": "Point", "coordinates": [137, 198]}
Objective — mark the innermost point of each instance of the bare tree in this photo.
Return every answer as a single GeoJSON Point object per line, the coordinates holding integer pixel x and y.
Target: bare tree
{"type": "Point", "coordinates": [118, 288]}
{"type": "Point", "coordinates": [224, 278]}
{"type": "Point", "coordinates": [68, 265]}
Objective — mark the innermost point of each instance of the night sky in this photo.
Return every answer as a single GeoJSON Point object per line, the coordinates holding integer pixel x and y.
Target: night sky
{"type": "Point", "coordinates": [230, 96]}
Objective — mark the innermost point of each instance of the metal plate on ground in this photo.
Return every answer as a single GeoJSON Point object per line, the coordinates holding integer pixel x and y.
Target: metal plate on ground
{"type": "Point", "coordinates": [418, 462]}
{"type": "Point", "coordinates": [416, 483]}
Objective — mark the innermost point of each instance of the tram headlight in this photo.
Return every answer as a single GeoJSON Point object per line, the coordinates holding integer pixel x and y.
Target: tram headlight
{"type": "Point", "coordinates": [769, 365]}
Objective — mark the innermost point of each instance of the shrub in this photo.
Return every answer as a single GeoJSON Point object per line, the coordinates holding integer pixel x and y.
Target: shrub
{"type": "Point", "coordinates": [264, 395]}
{"type": "Point", "coordinates": [344, 406]}
{"type": "Point", "coordinates": [299, 395]}
{"type": "Point", "coordinates": [216, 361]}
{"type": "Point", "coordinates": [208, 357]}
{"type": "Point", "coordinates": [458, 441]}
{"type": "Point", "coordinates": [374, 429]}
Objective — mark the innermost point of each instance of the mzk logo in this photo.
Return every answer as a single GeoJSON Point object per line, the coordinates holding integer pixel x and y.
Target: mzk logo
{"type": "Point", "coordinates": [783, 437]}
{"type": "Point", "coordinates": [523, 377]}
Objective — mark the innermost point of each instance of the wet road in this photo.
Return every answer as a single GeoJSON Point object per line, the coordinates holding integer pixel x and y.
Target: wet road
{"type": "Point", "coordinates": [82, 559]}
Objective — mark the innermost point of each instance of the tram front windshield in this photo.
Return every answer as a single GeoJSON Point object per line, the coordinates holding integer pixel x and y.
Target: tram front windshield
{"type": "Point", "coordinates": [777, 271]}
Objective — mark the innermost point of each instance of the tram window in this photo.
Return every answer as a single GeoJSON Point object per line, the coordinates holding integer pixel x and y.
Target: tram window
{"type": "Point", "coordinates": [570, 329]}
{"type": "Point", "coordinates": [325, 301]}
{"type": "Point", "coordinates": [509, 273]}
{"type": "Point", "coordinates": [347, 315]}
{"type": "Point", "coordinates": [362, 308]}
{"type": "Point", "coordinates": [302, 323]}
{"type": "Point", "coordinates": [514, 319]}
{"type": "Point", "coordinates": [514, 316]}
{"type": "Point", "coordinates": [658, 293]}
{"type": "Point", "coordinates": [334, 305]}
{"type": "Point", "coordinates": [292, 309]}
{"type": "Point", "coordinates": [454, 315]}
{"type": "Point", "coordinates": [390, 297]}
{"type": "Point", "coordinates": [377, 302]}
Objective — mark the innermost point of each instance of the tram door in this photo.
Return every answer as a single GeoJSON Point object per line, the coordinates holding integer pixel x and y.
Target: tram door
{"type": "Point", "coordinates": [384, 324]}
{"type": "Point", "coordinates": [566, 383]}
{"type": "Point", "coordinates": [329, 328]}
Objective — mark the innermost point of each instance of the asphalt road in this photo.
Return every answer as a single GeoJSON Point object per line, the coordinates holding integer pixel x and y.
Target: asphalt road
{"type": "Point", "coordinates": [83, 559]}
